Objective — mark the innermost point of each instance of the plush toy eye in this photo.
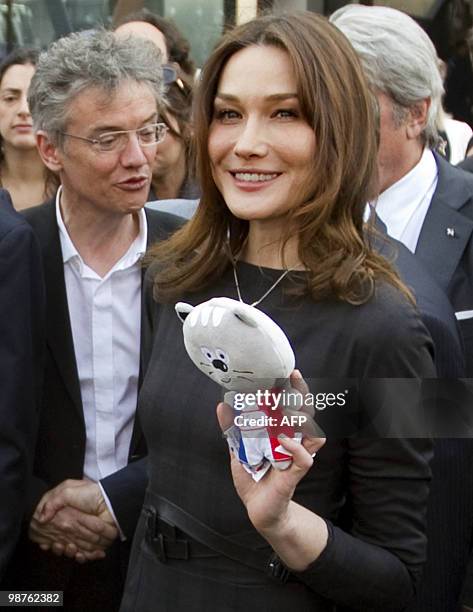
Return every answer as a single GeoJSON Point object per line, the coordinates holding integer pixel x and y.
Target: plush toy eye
{"type": "Point", "coordinates": [222, 355]}
{"type": "Point", "coordinates": [207, 353]}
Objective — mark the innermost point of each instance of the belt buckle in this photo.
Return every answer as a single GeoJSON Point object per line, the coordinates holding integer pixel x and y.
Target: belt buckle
{"type": "Point", "coordinates": [160, 548]}
{"type": "Point", "coordinates": [154, 540]}
{"type": "Point", "coordinates": [276, 569]}
{"type": "Point", "coordinates": [150, 522]}
{"type": "Point", "coordinates": [178, 549]}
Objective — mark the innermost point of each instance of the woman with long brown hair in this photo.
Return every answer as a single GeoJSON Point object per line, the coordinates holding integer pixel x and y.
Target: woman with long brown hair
{"type": "Point", "coordinates": [286, 149]}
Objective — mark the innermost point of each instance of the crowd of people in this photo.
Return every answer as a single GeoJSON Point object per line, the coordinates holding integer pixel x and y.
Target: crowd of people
{"type": "Point", "coordinates": [302, 171]}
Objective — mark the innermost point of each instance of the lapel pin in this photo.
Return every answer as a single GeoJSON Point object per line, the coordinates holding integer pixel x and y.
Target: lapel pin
{"type": "Point", "coordinates": [450, 232]}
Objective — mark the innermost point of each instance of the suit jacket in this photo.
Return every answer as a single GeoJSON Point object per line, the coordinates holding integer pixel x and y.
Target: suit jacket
{"type": "Point", "coordinates": [466, 164]}
{"type": "Point", "coordinates": [6, 203]}
{"type": "Point", "coordinates": [450, 507]}
{"type": "Point", "coordinates": [434, 307]}
{"type": "Point", "coordinates": [22, 311]}
{"type": "Point", "coordinates": [445, 246]}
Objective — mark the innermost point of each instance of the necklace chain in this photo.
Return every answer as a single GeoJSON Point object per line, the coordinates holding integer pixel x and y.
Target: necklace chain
{"type": "Point", "coordinates": [237, 284]}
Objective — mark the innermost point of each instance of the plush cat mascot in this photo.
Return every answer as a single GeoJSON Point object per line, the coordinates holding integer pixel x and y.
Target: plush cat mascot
{"type": "Point", "coordinates": [247, 353]}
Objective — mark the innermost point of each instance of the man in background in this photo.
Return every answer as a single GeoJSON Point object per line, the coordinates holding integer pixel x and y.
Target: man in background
{"type": "Point", "coordinates": [428, 205]}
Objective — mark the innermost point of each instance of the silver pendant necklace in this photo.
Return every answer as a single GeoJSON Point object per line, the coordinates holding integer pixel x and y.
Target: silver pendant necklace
{"type": "Point", "coordinates": [237, 284]}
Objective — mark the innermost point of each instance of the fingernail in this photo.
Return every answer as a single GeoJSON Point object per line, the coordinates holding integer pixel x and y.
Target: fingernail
{"type": "Point", "coordinates": [297, 374]}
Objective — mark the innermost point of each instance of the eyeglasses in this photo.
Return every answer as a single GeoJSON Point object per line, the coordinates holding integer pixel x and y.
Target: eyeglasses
{"type": "Point", "coordinates": [114, 142]}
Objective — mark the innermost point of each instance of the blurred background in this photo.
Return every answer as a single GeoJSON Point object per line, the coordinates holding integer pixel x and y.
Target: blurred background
{"type": "Point", "coordinates": [38, 22]}
{"type": "Point", "coordinates": [35, 23]}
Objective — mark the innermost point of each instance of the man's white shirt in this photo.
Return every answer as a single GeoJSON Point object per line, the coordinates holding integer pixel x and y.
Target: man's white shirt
{"type": "Point", "coordinates": [105, 316]}
{"type": "Point", "coordinates": [403, 206]}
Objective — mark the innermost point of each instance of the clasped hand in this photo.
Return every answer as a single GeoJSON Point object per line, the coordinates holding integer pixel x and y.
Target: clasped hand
{"type": "Point", "coordinates": [73, 520]}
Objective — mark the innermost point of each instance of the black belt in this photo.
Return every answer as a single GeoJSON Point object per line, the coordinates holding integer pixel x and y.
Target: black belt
{"type": "Point", "coordinates": [169, 542]}
{"type": "Point", "coordinates": [172, 533]}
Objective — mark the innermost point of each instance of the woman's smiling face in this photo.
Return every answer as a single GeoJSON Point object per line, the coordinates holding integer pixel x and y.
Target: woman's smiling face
{"type": "Point", "coordinates": [260, 146]}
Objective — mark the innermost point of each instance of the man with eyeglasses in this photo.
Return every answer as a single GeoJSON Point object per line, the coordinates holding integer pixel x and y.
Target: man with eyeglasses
{"type": "Point", "coordinates": [94, 102]}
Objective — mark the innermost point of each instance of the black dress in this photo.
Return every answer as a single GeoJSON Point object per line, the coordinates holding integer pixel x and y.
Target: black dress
{"type": "Point", "coordinates": [372, 492]}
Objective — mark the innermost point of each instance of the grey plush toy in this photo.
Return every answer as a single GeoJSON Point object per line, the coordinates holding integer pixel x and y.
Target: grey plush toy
{"type": "Point", "coordinates": [247, 353]}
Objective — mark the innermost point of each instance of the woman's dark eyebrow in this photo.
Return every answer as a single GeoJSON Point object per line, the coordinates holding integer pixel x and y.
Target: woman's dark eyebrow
{"type": "Point", "coordinates": [282, 96]}
{"type": "Point", "coordinates": [278, 96]}
{"type": "Point", "coordinates": [227, 97]}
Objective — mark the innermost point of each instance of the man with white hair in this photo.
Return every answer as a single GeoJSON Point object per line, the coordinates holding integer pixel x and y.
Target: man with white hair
{"type": "Point", "coordinates": [428, 205]}
{"type": "Point", "coordinates": [425, 202]}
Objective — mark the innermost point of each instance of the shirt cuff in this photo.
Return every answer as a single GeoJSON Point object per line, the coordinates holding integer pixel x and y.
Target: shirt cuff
{"type": "Point", "coordinates": [110, 509]}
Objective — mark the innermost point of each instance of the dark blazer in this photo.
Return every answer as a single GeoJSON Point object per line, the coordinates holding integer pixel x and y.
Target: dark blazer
{"type": "Point", "coordinates": [432, 303]}
{"type": "Point", "coordinates": [445, 248]}
{"type": "Point", "coordinates": [22, 311]}
{"type": "Point", "coordinates": [466, 164]}
{"type": "Point", "coordinates": [6, 203]}
{"type": "Point", "coordinates": [445, 245]}
{"type": "Point", "coordinates": [61, 441]}
{"type": "Point", "coordinates": [450, 507]}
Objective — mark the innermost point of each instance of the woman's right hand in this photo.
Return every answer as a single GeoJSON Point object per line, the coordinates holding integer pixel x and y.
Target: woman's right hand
{"type": "Point", "coordinates": [296, 534]}
{"type": "Point", "coordinates": [267, 501]}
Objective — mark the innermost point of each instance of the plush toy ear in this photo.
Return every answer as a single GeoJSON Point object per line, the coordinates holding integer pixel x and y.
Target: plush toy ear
{"type": "Point", "coordinates": [183, 310]}
{"type": "Point", "coordinates": [245, 316]}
